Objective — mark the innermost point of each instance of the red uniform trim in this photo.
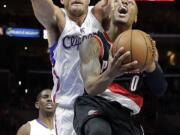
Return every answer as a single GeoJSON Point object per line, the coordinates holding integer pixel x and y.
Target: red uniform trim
{"type": "Point", "coordinates": [118, 89]}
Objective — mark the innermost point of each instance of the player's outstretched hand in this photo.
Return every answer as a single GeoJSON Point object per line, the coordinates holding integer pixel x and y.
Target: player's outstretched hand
{"type": "Point", "coordinates": [118, 65]}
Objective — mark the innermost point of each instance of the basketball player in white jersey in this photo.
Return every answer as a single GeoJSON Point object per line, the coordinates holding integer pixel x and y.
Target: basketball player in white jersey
{"type": "Point", "coordinates": [43, 125]}
{"type": "Point", "coordinates": [109, 102]}
{"type": "Point", "coordinates": [67, 28]}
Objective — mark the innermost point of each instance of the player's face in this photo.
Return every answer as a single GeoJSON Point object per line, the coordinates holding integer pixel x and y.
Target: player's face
{"type": "Point", "coordinates": [76, 8]}
{"type": "Point", "coordinates": [45, 103]}
{"type": "Point", "coordinates": [124, 12]}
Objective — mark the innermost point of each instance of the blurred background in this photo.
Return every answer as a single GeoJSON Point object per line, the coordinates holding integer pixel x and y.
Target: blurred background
{"type": "Point", "coordinates": [25, 68]}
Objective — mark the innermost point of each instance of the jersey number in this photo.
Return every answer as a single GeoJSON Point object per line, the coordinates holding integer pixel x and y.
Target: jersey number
{"type": "Point", "coordinates": [134, 83]}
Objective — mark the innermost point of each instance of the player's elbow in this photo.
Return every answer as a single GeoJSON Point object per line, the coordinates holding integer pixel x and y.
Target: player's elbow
{"type": "Point", "coordinates": [90, 91]}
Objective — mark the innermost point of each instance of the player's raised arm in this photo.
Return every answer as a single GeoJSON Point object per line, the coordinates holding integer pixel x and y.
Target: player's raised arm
{"type": "Point", "coordinates": [102, 9]}
{"type": "Point", "coordinates": [46, 12]}
{"type": "Point", "coordinates": [50, 16]}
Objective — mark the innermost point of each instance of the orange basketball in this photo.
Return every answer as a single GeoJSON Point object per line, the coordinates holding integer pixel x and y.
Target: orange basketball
{"type": "Point", "coordinates": [140, 45]}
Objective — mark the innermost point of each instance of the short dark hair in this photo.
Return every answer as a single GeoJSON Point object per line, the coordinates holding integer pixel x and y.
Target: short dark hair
{"type": "Point", "coordinates": [39, 94]}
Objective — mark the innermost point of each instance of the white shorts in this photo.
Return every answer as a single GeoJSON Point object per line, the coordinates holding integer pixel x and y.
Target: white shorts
{"type": "Point", "coordinates": [64, 121]}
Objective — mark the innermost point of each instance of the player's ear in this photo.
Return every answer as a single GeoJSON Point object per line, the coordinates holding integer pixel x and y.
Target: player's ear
{"type": "Point", "coordinates": [62, 2]}
{"type": "Point", "coordinates": [37, 105]}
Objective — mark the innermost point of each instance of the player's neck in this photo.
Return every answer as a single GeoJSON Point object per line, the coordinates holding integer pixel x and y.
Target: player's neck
{"type": "Point", "coordinates": [114, 31]}
{"type": "Point", "coordinates": [47, 121]}
{"type": "Point", "coordinates": [79, 20]}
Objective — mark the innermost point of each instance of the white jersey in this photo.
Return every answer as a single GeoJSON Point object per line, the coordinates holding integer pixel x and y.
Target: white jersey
{"type": "Point", "coordinates": [39, 128]}
{"type": "Point", "coordinates": [68, 83]}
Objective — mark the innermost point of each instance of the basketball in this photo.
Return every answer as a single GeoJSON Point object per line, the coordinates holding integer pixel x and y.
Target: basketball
{"type": "Point", "coordinates": [140, 45]}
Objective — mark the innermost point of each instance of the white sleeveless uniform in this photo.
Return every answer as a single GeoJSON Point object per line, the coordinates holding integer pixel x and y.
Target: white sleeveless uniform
{"type": "Point", "coordinates": [68, 83]}
{"type": "Point", "coordinates": [38, 128]}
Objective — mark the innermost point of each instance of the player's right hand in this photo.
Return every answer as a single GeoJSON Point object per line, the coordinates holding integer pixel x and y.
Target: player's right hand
{"type": "Point", "coordinates": [117, 65]}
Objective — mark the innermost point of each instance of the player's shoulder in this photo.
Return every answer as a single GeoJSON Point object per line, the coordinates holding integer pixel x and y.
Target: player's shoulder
{"type": "Point", "coordinates": [24, 129]}
{"type": "Point", "coordinates": [58, 9]}
{"type": "Point", "coordinates": [91, 42]}
{"type": "Point", "coordinates": [89, 47]}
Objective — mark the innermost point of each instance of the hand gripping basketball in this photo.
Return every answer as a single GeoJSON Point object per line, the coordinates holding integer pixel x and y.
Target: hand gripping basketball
{"type": "Point", "coordinates": [141, 46]}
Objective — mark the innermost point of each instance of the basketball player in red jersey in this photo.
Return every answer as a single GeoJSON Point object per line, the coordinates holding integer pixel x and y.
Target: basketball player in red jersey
{"type": "Point", "coordinates": [109, 101]}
